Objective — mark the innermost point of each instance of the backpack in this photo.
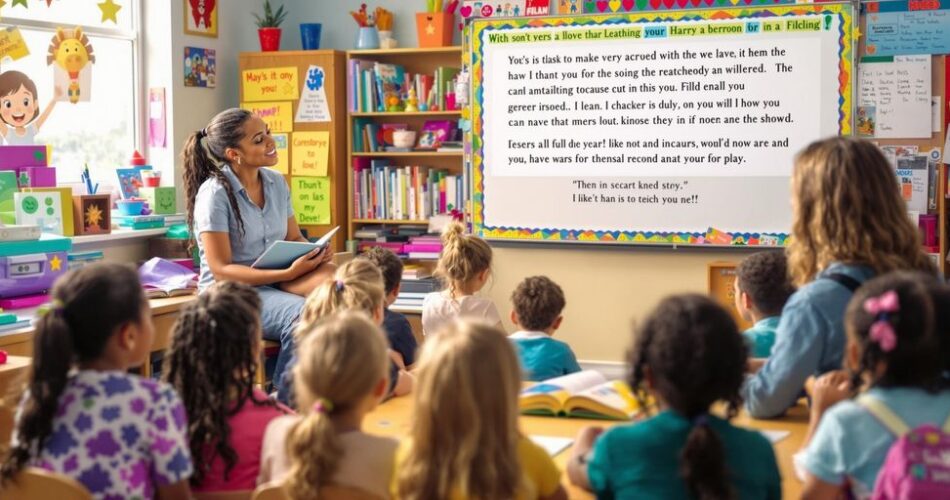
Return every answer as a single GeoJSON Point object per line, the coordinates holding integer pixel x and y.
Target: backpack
{"type": "Point", "coordinates": [917, 466]}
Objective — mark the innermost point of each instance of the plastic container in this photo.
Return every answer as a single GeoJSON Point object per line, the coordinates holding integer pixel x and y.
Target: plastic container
{"type": "Point", "coordinates": [130, 207]}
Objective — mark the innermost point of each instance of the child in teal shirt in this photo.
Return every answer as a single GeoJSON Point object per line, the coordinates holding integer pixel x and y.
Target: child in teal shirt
{"type": "Point", "coordinates": [538, 303]}
{"type": "Point", "coordinates": [762, 288]}
{"type": "Point", "coordinates": [687, 355]}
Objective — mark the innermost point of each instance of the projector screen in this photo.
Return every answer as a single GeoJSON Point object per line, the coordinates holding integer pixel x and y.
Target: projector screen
{"type": "Point", "coordinates": [667, 127]}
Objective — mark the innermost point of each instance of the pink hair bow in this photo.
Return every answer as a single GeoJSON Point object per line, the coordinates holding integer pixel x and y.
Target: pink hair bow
{"type": "Point", "coordinates": [882, 332]}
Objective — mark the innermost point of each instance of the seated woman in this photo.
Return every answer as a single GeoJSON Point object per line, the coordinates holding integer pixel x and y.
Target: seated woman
{"type": "Point", "coordinates": [237, 208]}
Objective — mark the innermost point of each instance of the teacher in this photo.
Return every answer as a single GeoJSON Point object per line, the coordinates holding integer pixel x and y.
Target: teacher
{"type": "Point", "coordinates": [237, 208]}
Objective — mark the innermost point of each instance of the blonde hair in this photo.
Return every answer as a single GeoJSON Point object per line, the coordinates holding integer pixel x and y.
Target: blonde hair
{"type": "Point", "coordinates": [847, 208]}
{"type": "Point", "coordinates": [341, 360]}
{"type": "Point", "coordinates": [358, 284]}
{"type": "Point", "coordinates": [463, 257]}
{"type": "Point", "coordinates": [465, 433]}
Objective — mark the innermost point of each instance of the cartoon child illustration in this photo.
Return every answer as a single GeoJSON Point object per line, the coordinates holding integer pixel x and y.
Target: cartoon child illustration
{"type": "Point", "coordinates": [18, 109]}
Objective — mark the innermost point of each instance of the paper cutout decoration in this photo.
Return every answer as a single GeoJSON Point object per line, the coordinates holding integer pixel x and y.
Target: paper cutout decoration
{"type": "Point", "coordinates": [157, 121]}
{"type": "Point", "coordinates": [20, 3]}
{"type": "Point", "coordinates": [313, 106]}
{"type": "Point", "coordinates": [20, 114]}
{"type": "Point", "coordinates": [277, 115]}
{"type": "Point", "coordinates": [72, 53]}
{"type": "Point", "coordinates": [270, 84]}
{"type": "Point", "coordinates": [66, 202]}
{"type": "Point", "coordinates": [109, 11]}
{"type": "Point", "coordinates": [283, 153]}
{"type": "Point", "coordinates": [310, 153]}
{"type": "Point", "coordinates": [201, 18]}
{"type": "Point", "coordinates": [12, 44]}
{"type": "Point", "coordinates": [92, 214]}
{"type": "Point", "coordinates": [200, 67]}
{"type": "Point", "coordinates": [310, 197]}
{"type": "Point", "coordinates": [40, 209]}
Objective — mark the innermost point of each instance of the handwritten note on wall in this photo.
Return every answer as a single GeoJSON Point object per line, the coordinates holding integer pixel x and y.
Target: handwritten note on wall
{"type": "Point", "coordinates": [310, 152]}
{"type": "Point", "coordinates": [279, 116]}
{"type": "Point", "coordinates": [895, 29]}
{"type": "Point", "coordinates": [310, 197]}
{"type": "Point", "coordinates": [270, 84]}
{"type": "Point", "coordinates": [898, 88]}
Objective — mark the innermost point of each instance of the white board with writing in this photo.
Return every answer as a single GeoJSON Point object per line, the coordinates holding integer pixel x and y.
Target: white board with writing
{"type": "Point", "coordinates": [898, 91]}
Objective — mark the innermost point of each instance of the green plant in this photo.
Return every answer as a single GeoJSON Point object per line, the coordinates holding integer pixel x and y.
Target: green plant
{"type": "Point", "coordinates": [271, 18]}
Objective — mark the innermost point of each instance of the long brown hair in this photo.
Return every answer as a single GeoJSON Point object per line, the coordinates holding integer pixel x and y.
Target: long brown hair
{"type": "Point", "coordinates": [89, 306]}
{"type": "Point", "coordinates": [463, 257]}
{"type": "Point", "coordinates": [342, 359]}
{"type": "Point", "coordinates": [204, 150]}
{"type": "Point", "coordinates": [465, 433]}
{"type": "Point", "coordinates": [847, 208]}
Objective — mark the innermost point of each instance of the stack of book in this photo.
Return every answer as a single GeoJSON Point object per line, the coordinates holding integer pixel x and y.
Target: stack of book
{"type": "Point", "coordinates": [423, 247]}
{"type": "Point", "coordinates": [373, 85]}
{"type": "Point", "coordinates": [384, 191]}
{"type": "Point", "coordinates": [414, 290]}
{"type": "Point", "coordinates": [435, 135]}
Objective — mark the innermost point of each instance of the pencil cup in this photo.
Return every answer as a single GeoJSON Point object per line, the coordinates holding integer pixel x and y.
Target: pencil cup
{"type": "Point", "coordinates": [367, 38]}
{"type": "Point", "coordinates": [434, 29]}
{"type": "Point", "coordinates": [310, 36]}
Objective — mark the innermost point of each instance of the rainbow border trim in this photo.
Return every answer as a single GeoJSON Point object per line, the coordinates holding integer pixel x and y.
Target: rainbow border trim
{"type": "Point", "coordinates": [712, 236]}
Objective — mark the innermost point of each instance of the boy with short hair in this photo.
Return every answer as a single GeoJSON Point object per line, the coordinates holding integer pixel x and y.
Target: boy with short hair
{"type": "Point", "coordinates": [762, 287]}
{"type": "Point", "coordinates": [396, 326]}
{"type": "Point", "coordinates": [538, 303]}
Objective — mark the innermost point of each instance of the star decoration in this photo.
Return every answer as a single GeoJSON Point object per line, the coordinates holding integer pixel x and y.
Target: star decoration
{"type": "Point", "coordinates": [109, 10]}
{"type": "Point", "coordinates": [55, 264]}
{"type": "Point", "coordinates": [93, 216]}
{"type": "Point", "coordinates": [430, 30]}
{"type": "Point", "coordinates": [857, 33]}
{"type": "Point", "coordinates": [20, 2]}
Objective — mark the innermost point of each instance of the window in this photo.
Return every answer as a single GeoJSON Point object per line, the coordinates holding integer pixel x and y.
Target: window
{"type": "Point", "coordinates": [104, 131]}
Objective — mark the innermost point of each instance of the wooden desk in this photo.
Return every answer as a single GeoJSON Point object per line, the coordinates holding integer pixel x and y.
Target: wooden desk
{"type": "Point", "coordinates": [393, 418]}
{"type": "Point", "coordinates": [12, 372]}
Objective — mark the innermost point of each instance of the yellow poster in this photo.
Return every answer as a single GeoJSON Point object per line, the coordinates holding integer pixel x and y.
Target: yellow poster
{"type": "Point", "coordinates": [310, 197]}
{"type": "Point", "coordinates": [270, 84]}
{"type": "Point", "coordinates": [283, 153]}
{"type": "Point", "coordinates": [279, 116]}
{"type": "Point", "coordinates": [12, 44]}
{"type": "Point", "coordinates": [310, 153]}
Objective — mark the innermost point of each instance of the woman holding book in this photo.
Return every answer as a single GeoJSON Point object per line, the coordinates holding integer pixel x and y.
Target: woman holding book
{"type": "Point", "coordinates": [237, 208]}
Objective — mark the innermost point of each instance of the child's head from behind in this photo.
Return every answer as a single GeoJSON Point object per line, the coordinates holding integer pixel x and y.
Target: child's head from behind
{"type": "Point", "coordinates": [689, 354]}
{"type": "Point", "coordinates": [847, 208]}
{"type": "Point", "coordinates": [98, 319]}
{"type": "Point", "coordinates": [342, 368]}
{"type": "Point", "coordinates": [893, 325]}
{"type": "Point", "coordinates": [390, 266]}
{"type": "Point", "coordinates": [212, 364]}
{"type": "Point", "coordinates": [538, 303]}
{"type": "Point", "coordinates": [358, 285]}
{"type": "Point", "coordinates": [465, 262]}
{"type": "Point", "coordinates": [762, 285]}
{"type": "Point", "coordinates": [466, 416]}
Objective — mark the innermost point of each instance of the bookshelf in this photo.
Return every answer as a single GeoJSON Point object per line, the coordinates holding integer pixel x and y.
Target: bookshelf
{"type": "Point", "coordinates": [424, 61]}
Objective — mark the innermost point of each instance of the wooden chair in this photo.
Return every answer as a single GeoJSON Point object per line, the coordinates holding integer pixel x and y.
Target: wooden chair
{"type": "Point", "coordinates": [266, 347]}
{"type": "Point", "coordinates": [34, 483]}
{"type": "Point", "coordinates": [225, 495]}
{"type": "Point", "coordinates": [272, 491]}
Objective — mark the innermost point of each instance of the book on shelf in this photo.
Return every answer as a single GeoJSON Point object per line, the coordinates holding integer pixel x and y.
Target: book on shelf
{"type": "Point", "coordinates": [415, 272]}
{"type": "Point", "coordinates": [371, 84]}
{"type": "Point", "coordinates": [384, 191]}
{"type": "Point", "coordinates": [423, 255]}
{"type": "Point", "coordinates": [585, 394]}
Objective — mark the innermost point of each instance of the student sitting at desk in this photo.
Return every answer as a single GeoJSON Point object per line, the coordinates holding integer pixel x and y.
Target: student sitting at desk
{"type": "Point", "coordinates": [849, 224]}
{"type": "Point", "coordinates": [538, 303]}
{"type": "Point", "coordinates": [398, 330]}
{"type": "Point", "coordinates": [238, 210]}
{"type": "Point", "coordinates": [762, 288]}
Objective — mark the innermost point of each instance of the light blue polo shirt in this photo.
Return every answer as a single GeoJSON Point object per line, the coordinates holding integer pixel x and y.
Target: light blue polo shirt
{"type": "Point", "coordinates": [262, 226]}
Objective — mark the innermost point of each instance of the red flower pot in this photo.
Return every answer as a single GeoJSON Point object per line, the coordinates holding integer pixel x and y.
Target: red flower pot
{"type": "Point", "coordinates": [270, 39]}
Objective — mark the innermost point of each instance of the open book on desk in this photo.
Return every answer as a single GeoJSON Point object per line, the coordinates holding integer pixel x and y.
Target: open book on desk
{"type": "Point", "coordinates": [585, 394]}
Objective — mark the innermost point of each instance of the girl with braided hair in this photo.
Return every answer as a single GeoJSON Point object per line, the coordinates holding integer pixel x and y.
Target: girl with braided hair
{"type": "Point", "coordinates": [237, 208]}
{"type": "Point", "coordinates": [212, 363]}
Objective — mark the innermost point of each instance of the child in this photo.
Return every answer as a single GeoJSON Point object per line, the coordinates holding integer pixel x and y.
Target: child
{"type": "Point", "coordinates": [464, 266]}
{"type": "Point", "coordinates": [340, 376]}
{"type": "Point", "coordinates": [849, 224]}
{"type": "Point", "coordinates": [538, 304]}
{"type": "Point", "coordinates": [401, 338]}
{"type": "Point", "coordinates": [212, 363]}
{"type": "Point", "coordinates": [18, 108]}
{"type": "Point", "coordinates": [84, 415]}
{"type": "Point", "coordinates": [465, 441]}
{"type": "Point", "coordinates": [762, 287]}
{"type": "Point", "coordinates": [357, 285]}
{"type": "Point", "coordinates": [686, 355]}
{"type": "Point", "coordinates": [893, 348]}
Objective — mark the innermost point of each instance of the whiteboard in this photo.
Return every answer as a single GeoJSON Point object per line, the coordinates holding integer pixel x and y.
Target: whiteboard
{"type": "Point", "coordinates": [671, 128]}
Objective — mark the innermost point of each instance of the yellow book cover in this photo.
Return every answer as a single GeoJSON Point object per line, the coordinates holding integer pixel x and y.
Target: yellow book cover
{"type": "Point", "coordinates": [585, 394]}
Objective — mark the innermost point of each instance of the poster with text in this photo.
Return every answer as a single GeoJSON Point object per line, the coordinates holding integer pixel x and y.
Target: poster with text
{"type": "Point", "coordinates": [313, 105]}
{"type": "Point", "coordinates": [277, 115]}
{"type": "Point", "coordinates": [310, 197]}
{"type": "Point", "coordinates": [270, 84]}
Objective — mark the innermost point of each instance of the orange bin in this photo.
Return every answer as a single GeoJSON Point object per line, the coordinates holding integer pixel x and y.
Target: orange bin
{"type": "Point", "coordinates": [435, 29]}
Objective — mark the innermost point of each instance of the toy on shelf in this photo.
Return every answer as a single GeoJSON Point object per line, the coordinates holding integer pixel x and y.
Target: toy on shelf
{"type": "Point", "coordinates": [160, 199]}
{"type": "Point", "coordinates": [412, 101]}
{"type": "Point", "coordinates": [31, 267]}
{"type": "Point", "coordinates": [30, 164]}
{"type": "Point", "coordinates": [92, 214]}
{"type": "Point", "coordinates": [40, 209]}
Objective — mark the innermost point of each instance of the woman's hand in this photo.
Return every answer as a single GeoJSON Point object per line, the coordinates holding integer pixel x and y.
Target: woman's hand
{"type": "Point", "coordinates": [327, 254]}
{"type": "Point", "coordinates": [305, 263]}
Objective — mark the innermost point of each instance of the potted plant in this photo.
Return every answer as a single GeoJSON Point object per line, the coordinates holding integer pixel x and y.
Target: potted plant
{"type": "Point", "coordinates": [268, 27]}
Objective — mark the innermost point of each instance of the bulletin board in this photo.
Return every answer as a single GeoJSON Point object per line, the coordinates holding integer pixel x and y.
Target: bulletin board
{"type": "Point", "coordinates": [671, 128]}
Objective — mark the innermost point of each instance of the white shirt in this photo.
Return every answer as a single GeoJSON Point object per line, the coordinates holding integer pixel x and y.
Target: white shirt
{"type": "Point", "coordinates": [439, 310]}
{"type": "Point", "coordinates": [27, 139]}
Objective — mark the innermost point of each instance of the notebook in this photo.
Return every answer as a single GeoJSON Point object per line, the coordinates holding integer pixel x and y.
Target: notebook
{"type": "Point", "coordinates": [282, 254]}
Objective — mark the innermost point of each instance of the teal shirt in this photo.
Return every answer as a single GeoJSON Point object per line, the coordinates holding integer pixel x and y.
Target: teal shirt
{"type": "Point", "coordinates": [761, 337]}
{"type": "Point", "coordinates": [641, 460]}
{"type": "Point", "coordinates": [543, 357]}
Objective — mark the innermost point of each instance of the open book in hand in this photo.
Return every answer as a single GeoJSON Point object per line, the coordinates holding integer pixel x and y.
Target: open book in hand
{"type": "Point", "coordinates": [585, 394]}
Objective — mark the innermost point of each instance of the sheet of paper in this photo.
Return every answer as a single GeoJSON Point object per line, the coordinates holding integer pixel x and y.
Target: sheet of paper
{"type": "Point", "coordinates": [157, 122]}
{"type": "Point", "coordinates": [892, 29]}
{"type": "Point", "coordinates": [283, 153]}
{"type": "Point", "coordinates": [313, 106]}
{"type": "Point", "coordinates": [270, 84]}
{"type": "Point", "coordinates": [935, 105]}
{"type": "Point", "coordinates": [913, 179]}
{"type": "Point", "coordinates": [898, 88]}
{"type": "Point", "coordinates": [12, 44]}
{"type": "Point", "coordinates": [310, 197]}
{"type": "Point", "coordinates": [310, 153]}
{"type": "Point", "coordinates": [775, 436]}
{"type": "Point", "coordinates": [277, 115]}
{"type": "Point", "coordinates": [553, 445]}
